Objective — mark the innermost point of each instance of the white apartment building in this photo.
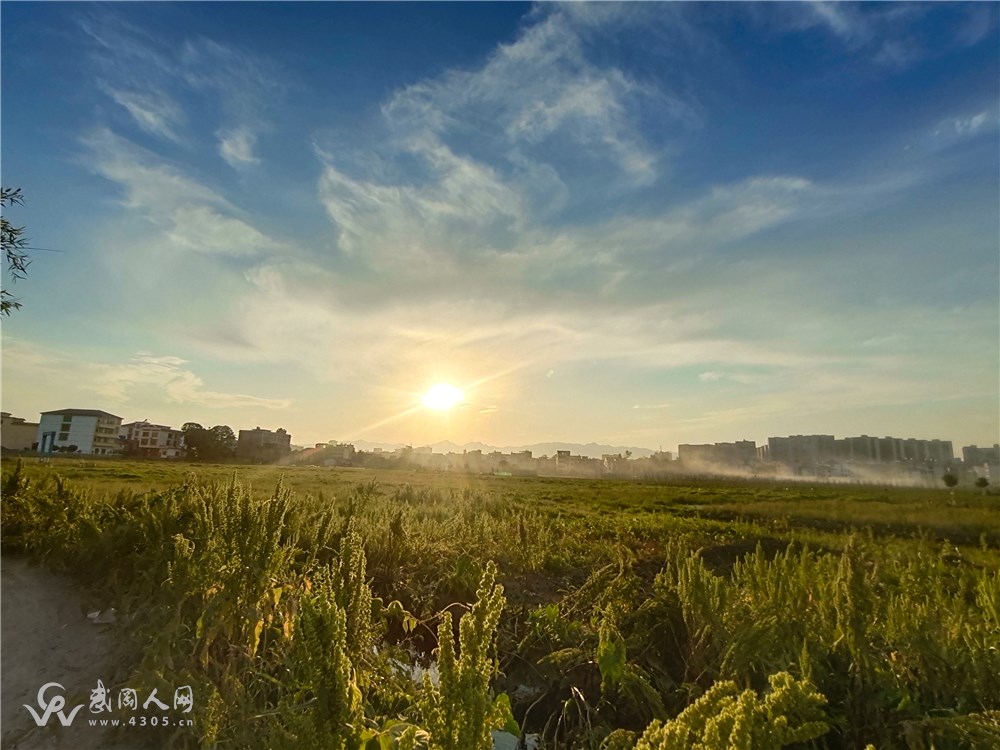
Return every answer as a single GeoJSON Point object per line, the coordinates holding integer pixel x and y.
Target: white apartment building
{"type": "Point", "coordinates": [152, 440]}
{"type": "Point", "coordinates": [92, 431]}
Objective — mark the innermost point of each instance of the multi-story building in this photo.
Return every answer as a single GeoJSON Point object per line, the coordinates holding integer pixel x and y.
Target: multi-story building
{"type": "Point", "coordinates": [521, 462]}
{"type": "Point", "coordinates": [891, 449]}
{"type": "Point", "coordinates": [92, 431]}
{"type": "Point", "coordinates": [16, 434]}
{"type": "Point", "coordinates": [800, 451]}
{"type": "Point", "coordinates": [338, 454]}
{"type": "Point", "coordinates": [939, 450]}
{"type": "Point", "coordinates": [740, 453]}
{"type": "Point", "coordinates": [973, 455]}
{"type": "Point", "coordinates": [152, 440]}
{"type": "Point", "coordinates": [861, 448]}
{"type": "Point", "coordinates": [616, 463]}
{"type": "Point", "coordinates": [472, 461]}
{"type": "Point", "coordinates": [263, 446]}
{"type": "Point", "coordinates": [695, 454]}
{"type": "Point", "coordinates": [573, 465]}
{"type": "Point", "coordinates": [985, 462]}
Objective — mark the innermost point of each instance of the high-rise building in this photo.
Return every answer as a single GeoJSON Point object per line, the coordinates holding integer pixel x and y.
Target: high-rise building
{"type": "Point", "coordinates": [975, 456]}
{"type": "Point", "coordinates": [730, 454]}
{"type": "Point", "coordinates": [801, 450]}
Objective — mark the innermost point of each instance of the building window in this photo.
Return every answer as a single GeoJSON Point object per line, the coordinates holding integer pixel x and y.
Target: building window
{"type": "Point", "coordinates": [63, 436]}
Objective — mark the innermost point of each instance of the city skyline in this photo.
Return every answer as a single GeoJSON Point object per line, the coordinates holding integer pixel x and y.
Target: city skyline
{"type": "Point", "coordinates": [643, 224]}
{"type": "Point", "coordinates": [547, 446]}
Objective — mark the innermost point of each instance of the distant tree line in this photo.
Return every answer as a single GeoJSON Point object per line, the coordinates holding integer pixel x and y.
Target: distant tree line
{"type": "Point", "coordinates": [215, 444]}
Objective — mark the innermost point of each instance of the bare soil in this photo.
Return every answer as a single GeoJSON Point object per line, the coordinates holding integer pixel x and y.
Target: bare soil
{"type": "Point", "coordinates": [47, 637]}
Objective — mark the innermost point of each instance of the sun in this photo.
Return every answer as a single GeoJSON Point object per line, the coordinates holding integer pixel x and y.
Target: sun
{"type": "Point", "coordinates": [442, 397]}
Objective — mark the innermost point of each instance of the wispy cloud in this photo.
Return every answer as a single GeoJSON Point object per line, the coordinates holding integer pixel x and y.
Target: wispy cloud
{"type": "Point", "coordinates": [885, 33]}
{"type": "Point", "coordinates": [154, 112]}
{"type": "Point", "coordinates": [139, 383]}
{"type": "Point", "coordinates": [400, 223]}
{"type": "Point", "coordinates": [877, 32]}
{"type": "Point", "coordinates": [713, 376]}
{"type": "Point", "coordinates": [125, 51]}
{"type": "Point", "coordinates": [967, 125]}
{"type": "Point", "coordinates": [576, 107]}
{"type": "Point", "coordinates": [841, 19]}
{"type": "Point", "coordinates": [979, 24]}
{"type": "Point", "coordinates": [148, 76]}
{"type": "Point", "coordinates": [201, 229]}
{"type": "Point", "coordinates": [117, 381]}
{"type": "Point", "coordinates": [247, 87]}
{"type": "Point", "coordinates": [954, 130]}
{"type": "Point", "coordinates": [192, 215]}
{"type": "Point", "coordinates": [236, 147]}
{"type": "Point", "coordinates": [150, 184]}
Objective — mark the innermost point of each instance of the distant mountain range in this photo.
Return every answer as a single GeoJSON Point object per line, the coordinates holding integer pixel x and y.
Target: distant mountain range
{"type": "Point", "coordinates": [592, 450]}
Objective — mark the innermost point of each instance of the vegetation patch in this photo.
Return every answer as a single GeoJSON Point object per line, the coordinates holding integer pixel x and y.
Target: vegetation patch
{"type": "Point", "coordinates": [300, 610]}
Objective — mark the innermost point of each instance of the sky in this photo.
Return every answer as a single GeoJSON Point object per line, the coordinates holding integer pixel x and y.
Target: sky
{"type": "Point", "coordinates": [641, 224]}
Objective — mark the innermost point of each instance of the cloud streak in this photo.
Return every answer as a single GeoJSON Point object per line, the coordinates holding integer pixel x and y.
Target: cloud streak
{"type": "Point", "coordinates": [191, 216]}
{"type": "Point", "coordinates": [117, 381]}
{"type": "Point", "coordinates": [154, 112]}
{"type": "Point", "coordinates": [121, 385]}
{"type": "Point", "coordinates": [137, 70]}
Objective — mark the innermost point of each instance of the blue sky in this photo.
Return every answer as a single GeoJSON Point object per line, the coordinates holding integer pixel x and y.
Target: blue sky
{"type": "Point", "coordinates": [646, 224]}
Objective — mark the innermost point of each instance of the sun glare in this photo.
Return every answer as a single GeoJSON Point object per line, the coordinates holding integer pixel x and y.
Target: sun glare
{"type": "Point", "coordinates": [443, 396]}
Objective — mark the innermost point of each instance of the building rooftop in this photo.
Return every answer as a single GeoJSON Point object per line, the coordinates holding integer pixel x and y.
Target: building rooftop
{"type": "Point", "coordinates": [82, 413]}
{"type": "Point", "coordinates": [16, 420]}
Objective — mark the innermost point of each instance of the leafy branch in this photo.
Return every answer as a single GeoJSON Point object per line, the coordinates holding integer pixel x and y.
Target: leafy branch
{"type": "Point", "coordinates": [15, 246]}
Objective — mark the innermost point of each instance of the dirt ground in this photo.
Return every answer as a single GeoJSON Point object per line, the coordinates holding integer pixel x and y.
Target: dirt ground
{"type": "Point", "coordinates": [46, 637]}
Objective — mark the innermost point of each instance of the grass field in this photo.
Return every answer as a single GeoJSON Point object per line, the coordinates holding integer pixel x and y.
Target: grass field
{"type": "Point", "coordinates": [597, 614]}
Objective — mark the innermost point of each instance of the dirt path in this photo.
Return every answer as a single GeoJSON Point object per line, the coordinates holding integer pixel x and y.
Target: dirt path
{"type": "Point", "coordinates": [47, 638]}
